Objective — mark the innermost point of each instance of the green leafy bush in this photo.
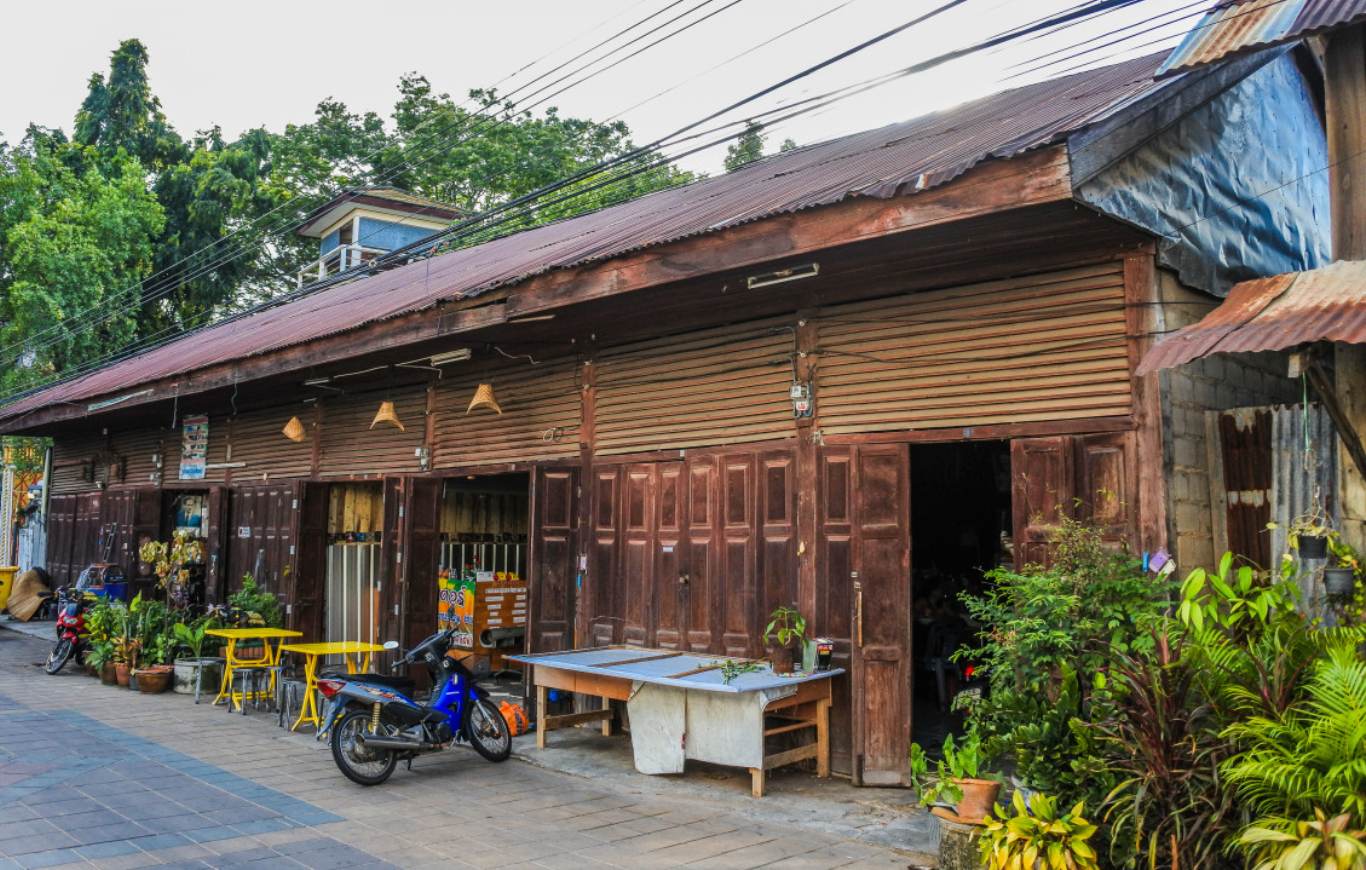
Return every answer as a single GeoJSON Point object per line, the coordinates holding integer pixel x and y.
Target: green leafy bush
{"type": "Point", "coordinates": [960, 761]}
{"type": "Point", "coordinates": [1039, 837]}
{"type": "Point", "coordinates": [252, 599]}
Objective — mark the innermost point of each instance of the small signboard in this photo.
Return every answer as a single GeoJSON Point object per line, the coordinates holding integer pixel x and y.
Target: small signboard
{"type": "Point", "coordinates": [194, 447]}
{"type": "Point", "coordinates": [455, 607]}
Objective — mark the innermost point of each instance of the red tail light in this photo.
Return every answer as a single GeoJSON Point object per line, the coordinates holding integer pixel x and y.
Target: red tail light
{"type": "Point", "coordinates": [969, 671]}
{"type": "Point", "coordinates": [330, 687]}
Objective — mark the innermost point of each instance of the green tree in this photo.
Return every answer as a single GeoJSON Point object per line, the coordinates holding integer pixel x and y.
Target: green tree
{"type": "Point", "coordinates": [76, 231]}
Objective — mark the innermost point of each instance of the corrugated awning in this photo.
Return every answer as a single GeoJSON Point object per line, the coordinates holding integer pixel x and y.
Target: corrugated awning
{"type": "Point", "coordinates": [1327, 304]}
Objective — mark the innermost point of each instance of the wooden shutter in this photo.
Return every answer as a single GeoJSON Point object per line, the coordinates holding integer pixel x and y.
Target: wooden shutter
{"type": "Point", "coordinates": [391, 556]}
{"type": "Point", "coordinates": [306, 599]}
{"type": "Point", "coordinates": [704, 594]}
{"type": "Point", "coordinates": [1043, 490]}
{"type": "Point", "coordinates": [540, 418]}
{"type": "Point", "coordinates": [554, 503]}
{"type": "Point", "coordinates": [605, 594]}
{"type": "Point", "coordinates": [73, 464]}
{"type": "Point", "coordinates": [1043, 347]}
{"type": "Point", "coordinates": [1107, 485]}
{"type": "Point", "coordinates": [61, 533]}
{"type": "Point", "coordinates": [88, 539]}
{"type": "Point", "coordinates": [421, 543]}
{"type": "Point", "coordinates": [137, 450]}
{"type": "Point", "coordinates": [262, 535]}
{"type": "Point", "coordinates": [741, 622]}
{"type": "Point", "coordinates": [718, 386]}
{"type": "Point", "coordinates": [834, 597]}
{"type": "Point", "coordinates": [351, 448]}
{"type": "Point", "coordinates": [216, 547]}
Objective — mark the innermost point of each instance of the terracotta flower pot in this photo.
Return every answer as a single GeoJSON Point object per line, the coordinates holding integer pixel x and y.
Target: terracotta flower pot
{"type": "Point", "coordinates": [121, 673]}
{"type": "Point", "coordinates": [979, 796]}
{"type": "Point", "coordinates": [153, 680]}
{"type": "Point", "coordinates": [109, 674]}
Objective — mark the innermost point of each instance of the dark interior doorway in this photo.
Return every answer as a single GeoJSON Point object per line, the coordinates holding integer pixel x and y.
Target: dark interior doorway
{"type": "Point", "coordinates": [960, 529]}
{"type": "Point", "coordinates": [483, 573]}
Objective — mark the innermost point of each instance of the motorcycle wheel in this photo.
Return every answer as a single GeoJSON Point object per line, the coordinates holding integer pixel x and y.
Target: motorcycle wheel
{"type": "Point", "coordinates": [358, 764]}
{"type": "Point", "coordinates": [57, 659]}
{"type": "Point", "coordinates": [487, 730]}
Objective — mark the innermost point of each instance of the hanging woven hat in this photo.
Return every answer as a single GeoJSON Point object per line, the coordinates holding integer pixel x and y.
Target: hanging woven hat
{"type": "Point", "coordinates": [386, 415]}
{"type": "Point", "coordinates": [484, 398]}
{"type": "Point", "coordinates": [294, 429]}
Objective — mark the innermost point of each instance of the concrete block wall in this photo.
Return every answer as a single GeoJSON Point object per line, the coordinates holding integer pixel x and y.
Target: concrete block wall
{"type": "Point", "coordinates": [1219, 382]}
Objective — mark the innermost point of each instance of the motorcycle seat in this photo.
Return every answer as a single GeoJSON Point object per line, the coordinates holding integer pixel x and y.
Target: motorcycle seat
{"type": "Point", "coordinates": [398, 684]}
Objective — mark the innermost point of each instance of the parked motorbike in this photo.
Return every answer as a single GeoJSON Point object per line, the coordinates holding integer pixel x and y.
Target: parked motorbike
{"type": "Point", "coordinates": [70, 630]}
{"type": "Point", "coordinates": [372, 722]}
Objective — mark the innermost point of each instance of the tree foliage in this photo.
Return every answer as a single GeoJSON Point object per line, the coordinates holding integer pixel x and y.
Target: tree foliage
{"type": "Point", "coordinates": [129, 212]}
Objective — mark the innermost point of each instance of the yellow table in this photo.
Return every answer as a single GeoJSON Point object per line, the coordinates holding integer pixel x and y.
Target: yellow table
{"type": "Point", "coordinates": [356, 655]}
{"type": "Point", "coordinates": [269, 656]}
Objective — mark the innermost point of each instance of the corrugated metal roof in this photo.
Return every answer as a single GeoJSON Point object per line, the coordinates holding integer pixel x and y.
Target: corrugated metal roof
{"type": "Point", "coordinates": [902, 158]}
{"type": "Point", "coordinates": [1241, 26]}
{"type": "Point", "coordinates": [1326, 304]}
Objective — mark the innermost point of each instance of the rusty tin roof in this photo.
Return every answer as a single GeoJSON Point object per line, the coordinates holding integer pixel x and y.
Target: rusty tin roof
{"type": "Point", "coordinates": [899, 159]}
{"type": "Point", "coordinates": [1241, 26]}
{"type": "Point", "coordinates": [1325, 304]}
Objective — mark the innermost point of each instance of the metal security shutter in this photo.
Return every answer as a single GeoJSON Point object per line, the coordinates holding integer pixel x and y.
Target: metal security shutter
{"type": "Point", "coordinates": [718, 386]}
{"type": "Point", "coordinates": [255, 440]}
{"type": "Point", "coordinates": [1042, 347]}
{"type": "Point", "coordinates": [540, 419]}
{"type": "Point", "coordinates": [351, 448]}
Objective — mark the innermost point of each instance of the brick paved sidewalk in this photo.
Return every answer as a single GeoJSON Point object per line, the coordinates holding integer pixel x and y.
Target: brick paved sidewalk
{"type": "Point", "coordinates": [99, 776]}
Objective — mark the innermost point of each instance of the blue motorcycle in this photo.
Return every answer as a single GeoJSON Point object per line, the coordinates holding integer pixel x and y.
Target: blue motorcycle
{"type": "Point", "coordinates": [372, 722]}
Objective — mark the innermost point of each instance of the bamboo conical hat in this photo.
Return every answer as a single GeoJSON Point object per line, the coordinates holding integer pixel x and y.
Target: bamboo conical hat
{"type": "Point", "coordinates": [484, 398]}
{"type": "Point", "coordinates": [386, 415]}
{"type": "Point", "coordinates": [294, 429]}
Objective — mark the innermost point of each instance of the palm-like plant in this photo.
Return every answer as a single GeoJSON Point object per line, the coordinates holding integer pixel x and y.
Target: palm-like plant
{"type": "Point", "coordinates": [1312, 756]}
{"type": "Point", "coordinates": [1323, 844]}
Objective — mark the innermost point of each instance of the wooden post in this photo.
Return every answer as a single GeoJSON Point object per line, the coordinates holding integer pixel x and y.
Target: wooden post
{"type": "Point", "coordinates": [1142, 319]}
{"type": "Point", "coordinates": [1345, 111]}
{"type": "Point", "coordinates": [823, 735]}
{"type": "Point", "coordinates": [541, 714]}
{"type": "Point", "coordinates": [585, 595]}
{"type": "Point", "coordinates": [806, 346]}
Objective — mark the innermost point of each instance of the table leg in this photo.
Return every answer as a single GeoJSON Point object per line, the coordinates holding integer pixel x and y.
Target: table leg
{"type": "Point", "coordinates": [823, 739]}
{"type": "Point", "coordinates": [225, 686]}
{"type": "Point", "coordinates": [308, 707]}
{"type": "Point", "coordinates": [541, 714]}
{"type": "Point", "coordinates": [365, 664]}
{"type": "Point", "coordinates": [756, 781]}
{"type": "Point", "coordinates": [607, 723]}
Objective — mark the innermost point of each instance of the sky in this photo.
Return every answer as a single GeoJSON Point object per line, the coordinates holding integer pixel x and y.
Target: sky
{"type": "Point", "coordinates": [251, 63]}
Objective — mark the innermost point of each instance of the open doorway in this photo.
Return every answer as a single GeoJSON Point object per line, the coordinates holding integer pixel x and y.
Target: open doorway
{"type": "Point", "coordinates": [483, 574]}
{"type": "Point", "coordinates": [960, 529]}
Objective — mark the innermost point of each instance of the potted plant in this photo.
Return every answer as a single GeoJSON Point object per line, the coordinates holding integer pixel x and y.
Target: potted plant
{"type": "Point", "coordinates": [99, 657]}
{"type": "Point", "coordinates": [153, 673]}
{"type": "Point", "coordinates": [1038, 837]}
{"type": "Point", "coordinates": [1339, 578]}
{"type": "Point", "coordinates": [956, 782]}
{"type": "Point", "coordinates": [785, 632]}
{"type": "Point", "coordinates": [1308, 534]}
{"type": "Point", "coordinates": [195, 668]}
{"type": "Point", "coordinates": [257, 607]}
{"type": "Point", "coordinates": [124, 643]}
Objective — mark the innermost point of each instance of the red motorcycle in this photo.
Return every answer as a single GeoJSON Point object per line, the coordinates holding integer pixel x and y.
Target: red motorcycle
{"type": "Point", "coordinates": [70, 628]}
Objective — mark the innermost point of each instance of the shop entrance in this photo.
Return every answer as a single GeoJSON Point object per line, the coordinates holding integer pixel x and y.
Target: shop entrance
{"type": "Point", "coordinates": [355, 517]}
{"type": "Point", "coordinates": [961, 526]}
{"type": "Point", "coordinates": [482, 575]}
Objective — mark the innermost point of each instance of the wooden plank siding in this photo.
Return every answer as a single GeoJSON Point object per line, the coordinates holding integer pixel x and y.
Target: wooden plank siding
{"type": "Point", "coordinates": [255, 440]}
{"type": "Point", "coordinates": [702, 389]}
{"type": "Point", "coordinates": [350, 448]}
{"type": "Point", "coordinates": [540, 419]}
{"type": "Point", "coordinates": [1042, 347]}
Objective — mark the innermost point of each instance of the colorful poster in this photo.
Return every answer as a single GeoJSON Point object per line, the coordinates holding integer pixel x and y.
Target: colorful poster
{"type": "Point", "coordinates": [194, 447]}
{"type": "Point", "coordinates": [455, 607]}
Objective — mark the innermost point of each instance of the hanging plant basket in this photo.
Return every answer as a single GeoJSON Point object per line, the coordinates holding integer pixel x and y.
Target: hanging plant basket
{"type": "Point", "coordinates": [1339, 582]}
{"type": "Point", "coordinates": [1313, 546]}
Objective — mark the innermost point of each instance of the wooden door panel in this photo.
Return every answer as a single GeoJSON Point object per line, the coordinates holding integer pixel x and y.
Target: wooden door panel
{"type": "Point", "coordinates": [1043, 489]}
{"type": "Point", "coordinates": [555, 499]}
{"type": "Point", "coordinates": [740, 624]}
{"type": "Point", "coordinates": [216, 547]}
{"type": "Point", "coordinates": [637, 580]}
{"type": "Point", "coordinates": [61, 531]}
{"type": "Point", "coordinates": [391, 558]}
{"type": "Point", "coordinates": [604, 569]}
{"type": "Point", "coordinates": [668, 567]}
{"type": "Point", "coordinates": [306, 606]}
{"type": "Point", "coordinates": [834, 491]}
{"type": "Point", "coordinates": [421, 543]}
{"type": "Point", "coordinates": [1107, 485]}
{"type": "Point", "coordinates": [777, 511]}
{"type": "Point", "coordinates": [703, 590]}
{"type": "Point", "coordinates": [881, 656]}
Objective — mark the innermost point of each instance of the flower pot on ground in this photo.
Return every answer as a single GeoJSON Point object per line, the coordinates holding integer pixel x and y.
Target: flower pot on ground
{"type": "Point", "coordinates": [187, 671]}
{"type": "Point", "coordinates": [154, 680]}
{"type": "Point", "coordinates": [956, 782]}
{"type": "Point", "coordinates": [122, 673]}
{"type": "Point", "coordinates": [1338, 581]}
{"type": "Point", "coordinates": [785, 633]}
{"type": "Point", "coordinates": [109, 674]}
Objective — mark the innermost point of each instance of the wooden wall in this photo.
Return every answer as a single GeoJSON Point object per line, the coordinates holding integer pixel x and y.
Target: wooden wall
{"type": "Point", "coordinates": [351, 448]}
{"type": "Point", "coordinates": [540, 419]}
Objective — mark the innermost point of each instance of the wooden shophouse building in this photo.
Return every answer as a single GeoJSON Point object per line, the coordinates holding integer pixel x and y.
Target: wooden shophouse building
{"type": "Point", "coordinates": [843, 377]}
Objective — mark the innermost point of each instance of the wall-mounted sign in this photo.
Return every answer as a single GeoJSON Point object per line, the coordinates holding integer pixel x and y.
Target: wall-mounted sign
{"type": "Point", "coordinates": [194, 447]}
{"type": "Point", "coordinates": [455, 607]}
{"type": "Point", "coordinates": [244, 531]}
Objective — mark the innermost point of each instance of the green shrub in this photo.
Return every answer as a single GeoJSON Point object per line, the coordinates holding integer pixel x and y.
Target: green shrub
{"type": "Point", "coordinates": [252, 599]}
{"type": "Point", "coordinates": [1039, 837]}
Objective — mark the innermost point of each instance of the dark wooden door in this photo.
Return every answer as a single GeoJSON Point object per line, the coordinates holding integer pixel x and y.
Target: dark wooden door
{"type": "Point", "coordinates": [554, 498]}
{"type": "Point", "coordinates": [306, 599]}
{"type": "Point", "coordinates": [834, 589]}
{"type": "Point", "coordinates": [421, 544]}
{"type": "Point", "coordinates": [216, 547]}
{"type": "Point", "coordinates": [635, 579]}
{"type": "Point", "coordinates": [1043, 491]}
{"type": "Point", "coordinates": [88, 538]}
{"type": "Point", "coordinates": [701, 591]}
{"type": "Point", "coordinates": [1107, 485]}
{"type": "Point", "coordinates": [740, 623]}
{"type": "Point", "coordinates": [602, 552]}
{"type": "Point", "coordinates": [61, 533]}
{"type": "Point", "coordinates": [391, 559]}
{"type": "Point", "coordinates": [669, 571]}
{"type": "Point", "coordinates": [880, 579]}
{"type": "Point", "coordinates": [261, 538]}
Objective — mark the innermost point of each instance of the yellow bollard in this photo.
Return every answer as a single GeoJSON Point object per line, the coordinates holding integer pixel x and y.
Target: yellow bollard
{"type": "Point", "coordinates": [7, 573]}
